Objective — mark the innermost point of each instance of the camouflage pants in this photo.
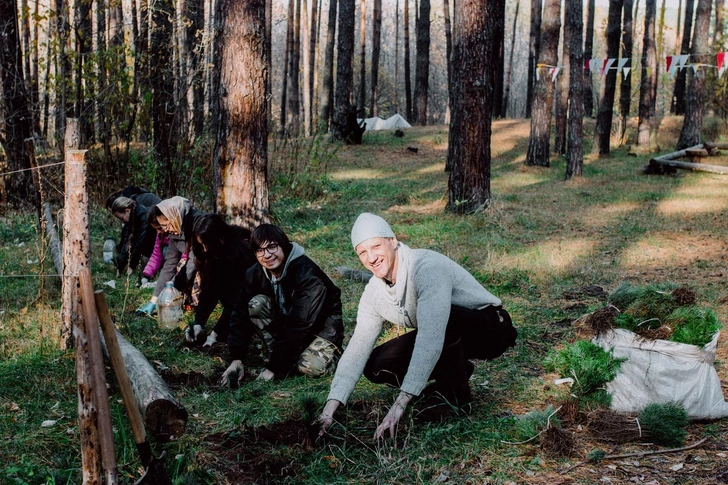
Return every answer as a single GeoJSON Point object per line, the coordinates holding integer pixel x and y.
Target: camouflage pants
{"type": "Point", "coordinates": [318, 359]}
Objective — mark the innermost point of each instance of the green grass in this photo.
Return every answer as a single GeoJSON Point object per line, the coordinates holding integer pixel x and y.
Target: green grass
{"type": "Point", "coordinates": [540, 237]}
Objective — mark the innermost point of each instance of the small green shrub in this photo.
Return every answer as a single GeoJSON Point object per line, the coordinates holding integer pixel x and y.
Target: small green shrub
{"type": "Point", "coordinates": [627, 294]}
{"type": "Point", "coordinates": [665, 423]}
{"type": "Point", "coordinates": [693, 325]}
{"type": "Point", "coordinates": [534, 422]}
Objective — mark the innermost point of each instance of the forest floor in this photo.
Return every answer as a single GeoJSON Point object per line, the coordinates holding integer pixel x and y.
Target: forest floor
{"type": "Point", "coordinates": [542, 246]}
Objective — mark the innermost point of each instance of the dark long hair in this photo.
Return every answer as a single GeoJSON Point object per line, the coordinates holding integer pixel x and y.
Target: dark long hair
{"type": "Point", "coordinates": [224, 250]}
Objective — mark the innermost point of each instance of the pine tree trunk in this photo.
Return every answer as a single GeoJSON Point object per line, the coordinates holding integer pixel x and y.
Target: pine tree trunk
{"type": "Point", "coordinates": [718, 27]}
{"type": "Point", "coordinates": [18, 121]}
{"type": "Point", "coordinates": [543, 99]}
{"type": "Point", "coordinates": [344, 68]}
{"type": "Point", "coordinates": [603, 129]}
{"type": "Point", "coordinates": [306, 35]}
{"type": "Point", "coordinates": [562, 98]}
{"type": "Point", "coordinates": [422, 72]}
{"type": "Point", "coordinates": [534, 49]}
{"type": "Point", "coordinates": [294, 87]}
{"type": "Point", "coordinates": [63, 70]}
{"type": "Point", "coordinates": [648, 80]}
{"type": "Point", "coordinates": [287, 67]}
{"type": "Point", "coordinates": [376, 48]}
{"type": "Point", "coordinates": [499, 61]}
{"type": "Point", "coordinates": [573, 37]}
{"type": "Point", "coordinates": [693, 122]}
{"type": "Point", "coordinates": [84, 88]}
{"type": "Point", "coordinates": [241, 154]}
{"type": "Point", "coordinates": [678, 94]}
{"type": "Point", "coordinates": [313, 59]}
{"type": "Point", "coordinates": [625, 90]}
{"type": "Point", "coordinates": [361, 99]}
{"type": "Point", "coordinates": [327, 91]}
{"type": "Point", "coordinates": [509, 72]}
{"type": "Point", "coordinates": [588, 53]}
{"type": "Point", "coordinates": [477, 23]}
{"type": "Point", "coordinates": [103, 132]}
{"type": "Point", "coordinates": [407, 65]}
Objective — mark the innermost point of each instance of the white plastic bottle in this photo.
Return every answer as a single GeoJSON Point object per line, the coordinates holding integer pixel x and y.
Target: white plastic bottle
{"type": "Point", "coordinates": [110, 252]}
{"type": "Point", "coordinates": [170, 311]}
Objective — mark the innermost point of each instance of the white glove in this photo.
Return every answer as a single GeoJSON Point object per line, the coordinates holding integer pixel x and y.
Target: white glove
{"type": "Point", "coordinates": [236, 367]}
{"type": "Point", "coordinates": [265, 375]}
{"type": "Point", "coordinates": [211, 340]}
{"type": "Point", "coordinates": [144, 281]}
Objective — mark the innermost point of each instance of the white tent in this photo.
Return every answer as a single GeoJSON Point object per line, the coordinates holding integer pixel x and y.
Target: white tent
{"type": "Point", "coordinates": [391, 123]}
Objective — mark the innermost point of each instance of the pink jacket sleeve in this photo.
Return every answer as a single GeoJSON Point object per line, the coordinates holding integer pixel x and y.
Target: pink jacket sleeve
{"type": "Point", "coordinates": [157, 257]}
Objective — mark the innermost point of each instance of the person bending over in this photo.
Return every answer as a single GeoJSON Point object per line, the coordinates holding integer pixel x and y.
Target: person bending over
{"type": "Point", "coordinates": [138, 238]}
{"type": "Point", "coordinates": [452, 317]}
{"type": "Point", "coordinates": [292, 304]}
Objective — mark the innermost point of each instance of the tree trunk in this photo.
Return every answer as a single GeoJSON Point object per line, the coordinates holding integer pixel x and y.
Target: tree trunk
{"type": "Point", "coordinates": [76, 252]}
{"type": "Point", "coordinates": [241, 153]}
{"type": "Point", "coordinates": [509, 72]}
{"type": "Point", "coordinates": [376, 48]}
{"type": "Point", "coordinates": [306, 35]}
{"type": "Point", "coordinates": [499, 61]}
{"type": "Point", "coordinates": [294, 87]}
{"type": "Point", "coordinates": [477, 23]}
{"type": "Point", "coordinates": [313, 60]}
{"type": "Point", "coordinates": [287, 67]}
{"type": "Point", "coordinates": [327, 91]}
{"type": "Point", "coordinates": [18, 119]}
{"type": "Point", "coordinates": [543, 99]}
{"type": "Point", "coordinates": [191, 80]}
{"type": "Point", "coordinates": [361, 99]}
{"type": "Point", "coordinates": [603, 129]}
{"type": "Point", "coordinates": [625, 90]}
{"type": "Point", "coordinates": [588, 52]}
{"type": "Point", "coordinates": [534, 49]}
{"type": "Point", "coordinates": [718, 28]}
{"type": "Point", "coordinates": [562, 97]}
{"type": "Point", "coordinates": [693, 122]}
{"type": "Point", "coordinates": [63, 70]}
{"type": "Point", "coordinates": [51, 233]}
{"type": "Point", "coordinates": [648, 80]}
{"type": "Point", "coordinates": [422, 72]}
{"type": "Point", "coordinates": [84, 89]}
{"type": "Point", "coordinates": [102, 130]}
{"type": "Point", "coordinates": [407, 65]}
{"type": "Point", "coordinates": [678, 94]}
{"type": "Point", "coordinates": [344, 68]}
{"type": "Point", "coordinates": [573, 37]}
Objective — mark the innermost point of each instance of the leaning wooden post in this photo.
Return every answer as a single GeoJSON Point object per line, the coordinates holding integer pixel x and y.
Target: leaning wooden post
{"type": "Point", "coordinates": [76, 257]}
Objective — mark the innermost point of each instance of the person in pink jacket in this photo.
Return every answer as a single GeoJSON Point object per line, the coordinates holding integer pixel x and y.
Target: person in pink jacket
{"type": "Point", "coordinates": [156, 259]}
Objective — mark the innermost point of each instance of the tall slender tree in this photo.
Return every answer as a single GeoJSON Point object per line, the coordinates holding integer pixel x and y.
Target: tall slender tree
{"type": "Point", "coordinates": [327, 91]}
{"type": "Point", "coordinates": [499, 39]}
{"type": "Point", "coordinates": [306, 35]}
{"type": "Point", "coordinates": [344, 68]}
{"type": "Point", "coordinates": [603, 129]}
{"type": "Point", "coordinates": [362, 98]}
{"type": "Point", "coordinates": [648, 79]}
{"type": "Point", "coordinates": [422, 71]}
{"type": "Point", "coordinates": [294, 66]}
{"type": "Point", "coordinates": [572, 36]}
{"type": "Point", "coordinates": [407, 64]}
{"type": "Point", "coordinates": [15, 104]}
{"type": "Point", "coordinates": [287, 66]}
{"type": "Point", "coordinates": [241, 154]}
{"type": "Point", "coordinates": [562, 97]}
{"type": "Point", "coordinates": [477, 23]}
{"type": "Point", "coordinates": [694, 102]}
{"type": "Point", "coordinates": [678, 94]}
{"type": "Point", "coordinates": [625, 90]}
{"type": "Point", "coordinates": [588, 52]}
{"type": "Point", "coordinates": [534, 48]}
{"type": "Point", "coordinates": [509, 71]}
{"type": "Point", "coordinates": [376, 49]}
{"type": "Point", "coordinates": [538, 141]}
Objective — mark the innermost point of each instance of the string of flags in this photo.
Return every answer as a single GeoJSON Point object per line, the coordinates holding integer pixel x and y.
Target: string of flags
{"type": "Point", "coordinates": [672, 64]}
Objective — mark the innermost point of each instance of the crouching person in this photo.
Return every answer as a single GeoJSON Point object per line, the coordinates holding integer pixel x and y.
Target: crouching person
{"type": "Point", "coordinates": [292, 304]}
{"type": "Point", "coordinates": [451, 316]}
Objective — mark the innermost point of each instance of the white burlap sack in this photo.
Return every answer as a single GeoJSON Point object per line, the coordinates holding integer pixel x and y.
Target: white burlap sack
{"type": "Point", "coordinates": [660, 371]}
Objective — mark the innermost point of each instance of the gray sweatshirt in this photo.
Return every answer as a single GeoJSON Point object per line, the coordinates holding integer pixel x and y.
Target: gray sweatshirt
{"type": "Point", "coordinates": [428, 284]}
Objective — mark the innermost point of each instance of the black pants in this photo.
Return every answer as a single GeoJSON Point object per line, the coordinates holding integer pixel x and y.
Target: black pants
{"type": "Point", "coordinates": [484, 334]}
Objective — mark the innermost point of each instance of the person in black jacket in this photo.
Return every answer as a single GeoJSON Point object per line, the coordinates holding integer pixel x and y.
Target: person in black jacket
{"type": "Point", "coordinates": [222, 255]}
{"type": "Point", "coordinates": [129, 242]}
{"type": "Point", "coordinates": [288, 297]}
{"type": "Point", "coordinates": [175, 217]}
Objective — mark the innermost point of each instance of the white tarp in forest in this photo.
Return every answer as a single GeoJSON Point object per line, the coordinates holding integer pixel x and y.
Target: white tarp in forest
{"type": "Point", "coordinates": [392, 123]}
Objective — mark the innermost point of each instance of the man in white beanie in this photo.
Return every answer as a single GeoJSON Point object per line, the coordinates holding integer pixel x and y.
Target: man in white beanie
{"type": "Point", "coordinates": [452, 316]}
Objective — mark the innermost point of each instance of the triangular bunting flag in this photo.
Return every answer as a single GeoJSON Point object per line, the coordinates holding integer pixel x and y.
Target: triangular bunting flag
{"type": "Point", "coordinates": [607, 64]}
{"type": "Point", "coordinates": [668, 62]}
{"type": "Point", "coordinates": [554, 73]}
{"type": "Point", "coordinates": [721, 71]}
{"type": "Point", "coordinates": [594, 64]}
{"type": "Point", "coordinates": [586, 64]}
{"type": "Point", "coordinates": [720, 57]}
{"type": "Point", "coordinates": [684, 59]}
{"type": "Point", "coordinates": [625, 72]}
{"type": "Point", "coordinates": [695, 68]}
{"type": "Point", "coordinates": [621, 63]}
{"type": "Point", "coordinates": [538, 74]}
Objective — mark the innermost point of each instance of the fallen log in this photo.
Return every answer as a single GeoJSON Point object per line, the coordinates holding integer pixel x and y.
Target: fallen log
{"type": "Point", "coordinates": [164, 416]}
{"type": "Point", "coordinates": [656, 165]}
{"type": "Point", "coordinates": [54, 242]}
{"type": "Point", "coordinates": [710, 146]}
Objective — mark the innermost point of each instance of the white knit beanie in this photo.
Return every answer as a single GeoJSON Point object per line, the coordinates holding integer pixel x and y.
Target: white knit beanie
{"type": "Point", "coordinates": [368, 226]}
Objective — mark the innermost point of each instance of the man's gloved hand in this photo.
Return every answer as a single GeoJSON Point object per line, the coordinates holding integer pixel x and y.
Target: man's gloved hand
{"type": "Point", "coordinates": [194, 334]}
{"type": "Point", "coordinates": [236, 367]}
{"type": "Point", "coordinates": [211, 339]}
{"type": "Point", "coordinates": [148, 309]}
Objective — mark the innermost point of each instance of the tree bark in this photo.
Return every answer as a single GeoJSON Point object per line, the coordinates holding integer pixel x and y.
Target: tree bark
{"type": "Point", "coordinates": [18, 119]}
{"type": "Point", "coordinates": [693, 121]}
{"type": "Point", "coordinates": [509, 72]}
{"type": "Point", "coordinates": [572, 36]}
{"type": "Point", "coordinates": [678, 95]}
{"type": "Point", "coordinates": [241, 153]}
{"type": "Point", "coordinates": [313, 61]}
{"type": "Point", "coordinates": [294, 87]}
{"type": "Point", "coordinates": [718, 28]}
{"type": "Point", "coordinates": [562, 98]}
{"type": "Point", "coordinates": [538, 141]}
{"type": "Point", "coordinates": [344, 68]}
{"type": "Point", "coordinates": [422, 72]}
{"type": "Point", "coordinates": [376, 49]}
{"type": "Point", "coordinates": [287, 67]}
{"type": "Point", "coordinates": [83, 89]}
{"type": "Point", "coordinates": [603, 129]}
{"type": "Point", "coordinates": [306, 35]}
{"type": "Point", "coordinates": [76, 252]}
{"type": "Point", "coordinates": [499, 61]}
{"type": "Point", "coordinates": [361, 99]}
{"type": "Point", "coordinates": [625, 90]}
{"type": "Point", "coordinates": [534, 49]}
{"type": "Point", "coordinates": [407, 65]}
{"type": "Point", "coordinates": [477, 23]}
{"type": "Point", "coordinates": [588, 52]}
{"type": "Point", "coordinates": [648, 80]}
{"type": "Point", "coordinates": [51, 232]}
{"type": "Point", "coordinates": [327, 91]}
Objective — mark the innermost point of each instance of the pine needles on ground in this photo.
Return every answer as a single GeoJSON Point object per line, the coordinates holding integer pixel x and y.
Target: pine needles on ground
{"type": "Point", "coordinates": [534, 423]}
{"type": "Point", "coordinates": [665, 423]}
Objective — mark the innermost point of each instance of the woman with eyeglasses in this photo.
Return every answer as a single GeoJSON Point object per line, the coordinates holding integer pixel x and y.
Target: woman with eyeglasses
{"type": "Point", "coordinates": [292, 304]}
{"type": "Point", "coordinates": [176, 218]}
